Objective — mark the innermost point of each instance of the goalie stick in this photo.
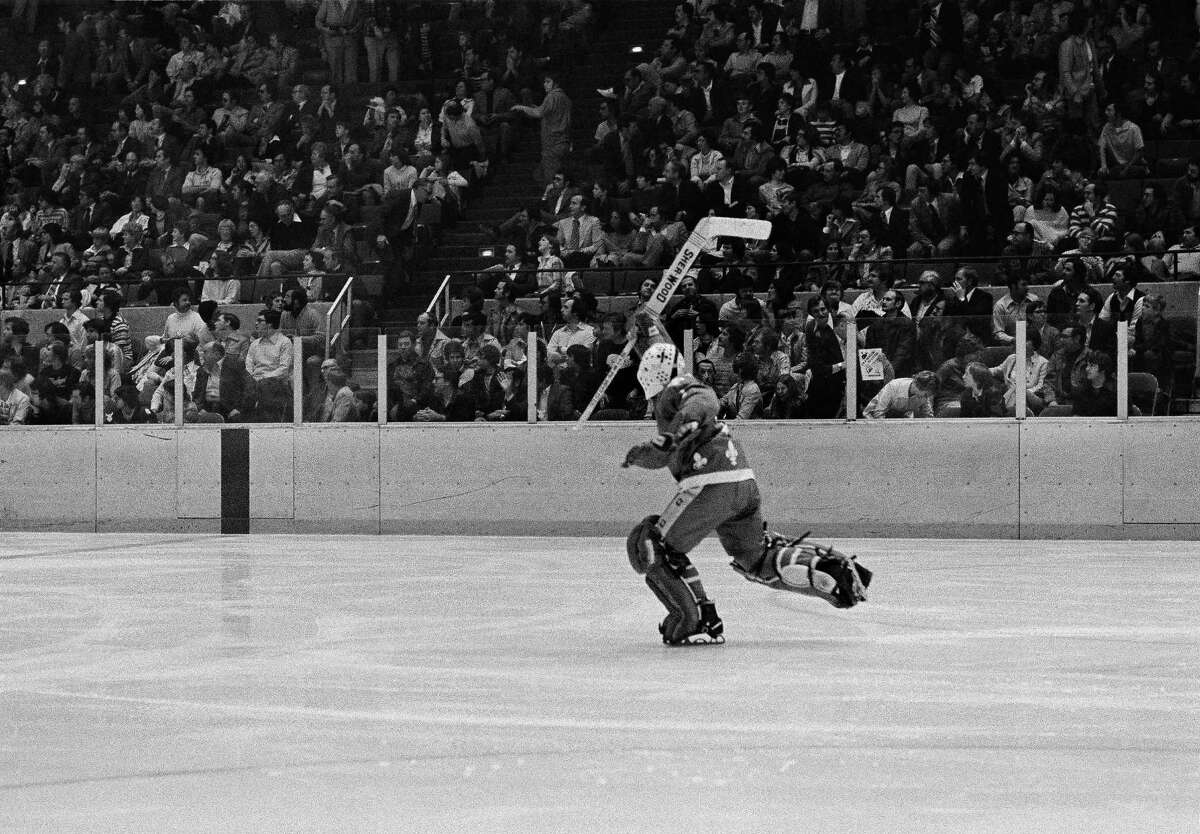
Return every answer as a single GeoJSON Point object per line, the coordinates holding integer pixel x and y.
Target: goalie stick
{"type": "Point", "coordinates": [705, 232]}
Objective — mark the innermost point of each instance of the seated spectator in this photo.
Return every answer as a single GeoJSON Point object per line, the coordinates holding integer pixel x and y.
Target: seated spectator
{"type": "Point", "coordinates": [220, 386]}
{"type": "Point", "coordinates": [48, 407]}
{"type": "Point", "coordinates": [1097, 396]}
{"type": "Point", "coordinates": [979, 397]}
{"type": "Point", "coordinates": [1095, 214]}
{"type": "Point", "coordinates": [1009, 308]}
{"type": "Point", "coordinates": [744, 399]}
{"type": "Point", "coordinates": [1151, 345]}
{"type": "Point", "coordinates": [222, 287]}
{"type": "Point", "coordinates": [1047, 217]}
{"type": "Point", "coordinates": [15, 405]}
{"type": "Point", "coordinates": [773, 363]}
{"type": "Point", "coordinates": [1038, 322]}
{"type": "Point", "coordinates": [743, 306]}
{"type": "Point", "coordinates": [1121, 147]}
{"type": "Point", "coordinates": [1183, 259]}
{"type": "Point", "coordinates": [1065, 371]}
{"type": "Point", "coordinates": [951, 374]}
{"type": "Point", "coordinates": [127, 407]}
{"type": "Point", "coordinates": [904, 397]}
{"type": "Point", "coordinates": [788, 400]}
{"type": "Point", "coordinates": [339, 404]}
{"type": "Point", "coordinates": [572, 332]}
{"type": "Point", "coordinates": [1036, 367]}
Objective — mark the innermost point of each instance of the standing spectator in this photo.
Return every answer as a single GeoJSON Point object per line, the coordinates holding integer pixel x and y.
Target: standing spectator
{"type": "Point", "coordinates": [227, 331]}
{"type": "Point", "coordinates": [1078, 74]}
{"type": "Point", "coordinates": [555, 115]}
{"type": "Point", "coordinates": [579, 234]}
{"type": "Point", "coordinates": [269, 364]}
{"type": "Point", "coordinates": [381, 38]}
{"type": "Point", "coordinates": [75, 67]}
{"type": "Point", "coordinates": [340, 22]}
{"type": "Point", "coordinates": [185, 323]}
{"type": "Point", "coordinates": [1185, 195]}
{"type": "Point", "coordinates": [826, 359]}
{"type": "Point", "coordinates": [73, 317]}
{"type": "Point", "coordinates": [986, 213]}
{"type": "Point", "coordinates": [893, 333]}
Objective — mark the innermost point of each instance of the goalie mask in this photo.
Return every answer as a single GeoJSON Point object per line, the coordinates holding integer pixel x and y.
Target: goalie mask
{"type": "Point", "coordinates": [659, 363]}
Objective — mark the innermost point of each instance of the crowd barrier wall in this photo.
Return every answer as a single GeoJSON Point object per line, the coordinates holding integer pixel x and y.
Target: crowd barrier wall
{"type": "Point", "coordinates": [145, 321]}
{"type": "Point", "coordinates": [1043, 478]}
{"type": "Point", "coordinates": [1182, 297]}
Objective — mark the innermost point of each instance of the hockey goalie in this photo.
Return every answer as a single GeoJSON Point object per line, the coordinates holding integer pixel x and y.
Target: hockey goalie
{"type": "Point", "coordinates": [716, 491]}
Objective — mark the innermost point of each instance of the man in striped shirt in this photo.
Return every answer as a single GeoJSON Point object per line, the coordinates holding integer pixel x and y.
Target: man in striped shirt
{"type": "Point", "coordinates": [1095, 213]}
{"type": "Point", "coordinates": [108, 307]}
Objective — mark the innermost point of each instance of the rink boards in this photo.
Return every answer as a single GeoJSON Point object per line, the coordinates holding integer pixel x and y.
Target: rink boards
{"type": "Point", "coordinates": [996, 479]}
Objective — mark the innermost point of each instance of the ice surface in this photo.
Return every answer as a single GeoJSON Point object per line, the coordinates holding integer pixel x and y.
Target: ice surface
{"type": "Point", "coordinates": [361, 684]}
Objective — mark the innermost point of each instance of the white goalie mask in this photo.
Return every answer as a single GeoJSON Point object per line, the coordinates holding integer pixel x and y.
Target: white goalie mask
{"type": "Point", "coordinates": [659, 363]}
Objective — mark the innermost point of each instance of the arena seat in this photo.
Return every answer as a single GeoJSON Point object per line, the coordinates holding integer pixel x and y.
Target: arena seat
{"type": "Point", "coordinates": [1143, 391]}
{"type": "Point", "coordinates": [996, 354]}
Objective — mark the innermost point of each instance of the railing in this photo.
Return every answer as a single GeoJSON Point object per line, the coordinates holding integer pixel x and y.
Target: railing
{"type": "Point", "coordinates": [344, 301]}
{"type": "Point", "coordinates": [439, 305]}
{"type": "Point", "coordinates": [903, 271]}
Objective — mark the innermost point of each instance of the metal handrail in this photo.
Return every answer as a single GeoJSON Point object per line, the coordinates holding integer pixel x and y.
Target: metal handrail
{"type": "Point", "coordinates": [906, 269]}
{"type": "Point", "coordinates": [439, 305]}
{"type": "Point", "coordinates": [345, 296]}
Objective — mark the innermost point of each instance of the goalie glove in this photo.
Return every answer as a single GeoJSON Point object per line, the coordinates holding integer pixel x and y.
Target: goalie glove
{"type": "Point", "coordinates": [653, 454]}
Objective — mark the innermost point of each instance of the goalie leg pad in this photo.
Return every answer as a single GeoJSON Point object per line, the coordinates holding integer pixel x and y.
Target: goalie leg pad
{"type": "Point", "coordinates": [644, 546]}
{"type": "Point", "coordinates": [683, 613]}
{"type": "Point", "coordinates": [811, 569]}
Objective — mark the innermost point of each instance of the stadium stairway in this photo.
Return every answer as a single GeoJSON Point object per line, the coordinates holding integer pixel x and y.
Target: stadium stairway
{"type": "Point", "coordinates": [624, 24]}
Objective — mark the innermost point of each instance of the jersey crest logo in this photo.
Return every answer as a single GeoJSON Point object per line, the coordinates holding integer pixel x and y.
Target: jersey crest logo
{"type": "Point", "coordinates": [699, 461]}
{"type": "Point", "coordinates": [731, 453]}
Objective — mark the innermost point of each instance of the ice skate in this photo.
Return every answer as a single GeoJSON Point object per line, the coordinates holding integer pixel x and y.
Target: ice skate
{"type": "Point", "coordinates": [710, 631]}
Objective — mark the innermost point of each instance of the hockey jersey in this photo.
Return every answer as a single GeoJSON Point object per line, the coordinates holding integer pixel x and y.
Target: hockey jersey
{"type": "Point", "coordinates": [704, 451]}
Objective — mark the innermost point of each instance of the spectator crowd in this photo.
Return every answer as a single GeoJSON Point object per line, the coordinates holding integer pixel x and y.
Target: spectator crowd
{"type": "Point", "coordinates": [193, 154]}
{"type": "Point", "coordinates": [871, 152]}
{"type": "Point", "coordinates": [159, 152]}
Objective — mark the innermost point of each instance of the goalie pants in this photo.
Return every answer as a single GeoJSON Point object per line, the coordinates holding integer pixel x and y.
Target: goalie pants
{"type": "Point", "coordinates": [731, 509]}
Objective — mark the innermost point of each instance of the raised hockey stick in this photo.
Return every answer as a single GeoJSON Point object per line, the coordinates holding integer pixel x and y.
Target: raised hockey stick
{"type": "Point", "coordinates": [708, 229]}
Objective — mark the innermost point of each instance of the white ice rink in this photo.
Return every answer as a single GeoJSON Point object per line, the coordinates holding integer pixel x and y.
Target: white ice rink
{"type": "Point", "coordinates": [396, 684]}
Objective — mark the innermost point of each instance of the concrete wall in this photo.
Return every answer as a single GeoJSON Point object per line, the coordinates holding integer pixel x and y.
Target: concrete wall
{"type": "Point", "coordinates": [983, 478]}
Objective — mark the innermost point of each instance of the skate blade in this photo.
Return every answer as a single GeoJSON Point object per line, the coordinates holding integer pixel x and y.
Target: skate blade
{"type": "Point", "coordinates": [700, 640]}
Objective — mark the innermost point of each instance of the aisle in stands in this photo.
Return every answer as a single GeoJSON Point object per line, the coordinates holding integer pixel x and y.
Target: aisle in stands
{"type": "Point", "coordinates": [218, 153]}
